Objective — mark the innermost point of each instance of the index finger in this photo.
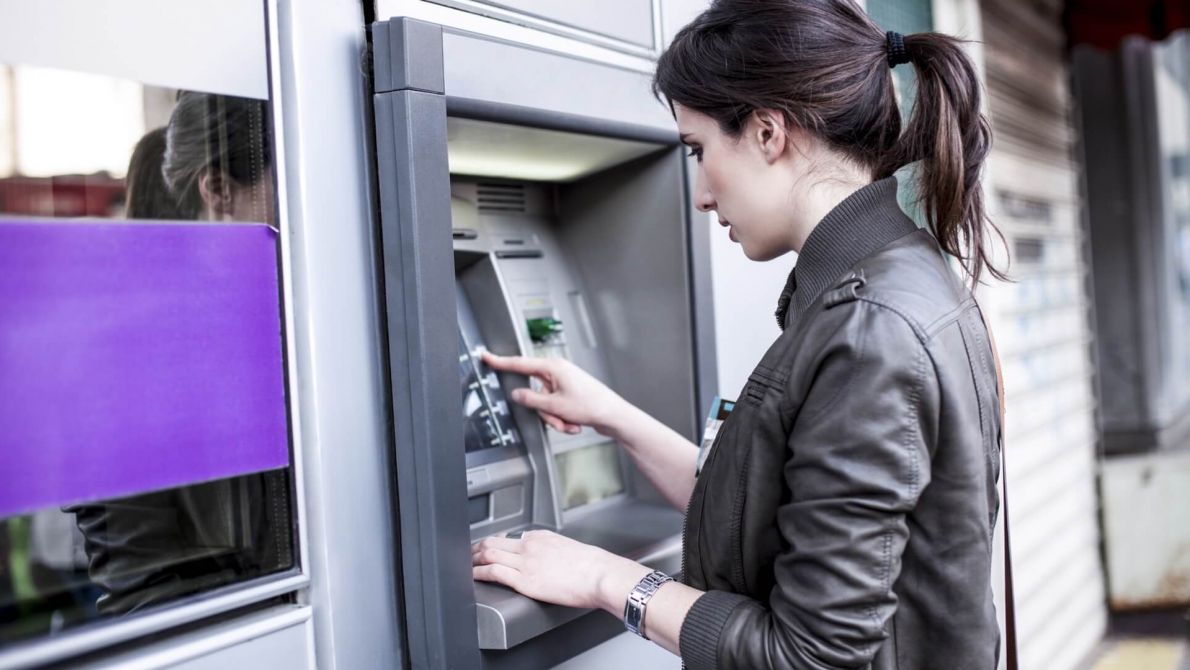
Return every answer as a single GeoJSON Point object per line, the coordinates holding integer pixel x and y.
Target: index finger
{"type": "Point", "coordinates": [518, 364]}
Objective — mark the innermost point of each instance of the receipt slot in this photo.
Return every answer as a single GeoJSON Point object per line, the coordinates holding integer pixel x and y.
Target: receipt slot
{"type": "Point", "coordinates": [524, 232]}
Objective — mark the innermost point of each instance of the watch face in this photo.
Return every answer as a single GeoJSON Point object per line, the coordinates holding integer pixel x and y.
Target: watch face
{"type": "Point", "coordinates": [632, 616]}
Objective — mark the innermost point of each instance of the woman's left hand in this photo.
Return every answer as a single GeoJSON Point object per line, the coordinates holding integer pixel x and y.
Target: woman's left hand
{"type": "Point", "coordinates": [556, 569]}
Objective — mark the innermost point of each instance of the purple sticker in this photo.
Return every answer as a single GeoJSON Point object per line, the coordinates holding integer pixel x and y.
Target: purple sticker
{"type": "Point", "coordinates": [135, 357]}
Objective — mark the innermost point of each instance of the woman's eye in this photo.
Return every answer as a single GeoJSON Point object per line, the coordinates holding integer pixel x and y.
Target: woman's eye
{"type": "Point", "coordinates": [696, 152]}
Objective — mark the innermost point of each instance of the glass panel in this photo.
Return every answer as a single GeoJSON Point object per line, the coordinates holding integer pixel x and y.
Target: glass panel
{"type": "Point", "coordinates": [146, 453]}
{"type": "Point", "coordinates": [628, 20]}
{"type": "Point", "coordinates": [589, 474]}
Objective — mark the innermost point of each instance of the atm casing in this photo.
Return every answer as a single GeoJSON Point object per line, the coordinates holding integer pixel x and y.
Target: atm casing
{"type": "Point", "coordinates": [614, 255]}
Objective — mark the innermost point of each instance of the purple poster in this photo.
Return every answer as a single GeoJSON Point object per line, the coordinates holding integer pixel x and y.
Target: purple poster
{"type": "Point", "coordinates": [136, 356]}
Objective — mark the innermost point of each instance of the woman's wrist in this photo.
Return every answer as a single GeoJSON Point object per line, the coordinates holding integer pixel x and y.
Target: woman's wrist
{"type": "Point", "coordinates": [622, 421]}
{"type": "Point", "coordinates": [617, 581]}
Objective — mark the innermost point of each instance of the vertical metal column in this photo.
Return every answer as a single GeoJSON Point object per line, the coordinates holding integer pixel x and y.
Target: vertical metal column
{"type": "Point", "coordinates": [414, 181]}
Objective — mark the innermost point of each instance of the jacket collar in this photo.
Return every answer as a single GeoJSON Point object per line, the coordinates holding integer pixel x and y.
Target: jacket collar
{"type": "Point", "coordinates": [865, 222]}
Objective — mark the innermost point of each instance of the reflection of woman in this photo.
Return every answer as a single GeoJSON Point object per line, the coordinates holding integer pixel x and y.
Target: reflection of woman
{"type": "Point", "coordinates": [145, 194]}
{"type": "Point", "coordinates": [211, 162]}
{"type": "Point", "coordinates": [844, 517]}
{"type": "Point", "coordinates": [217, 158]}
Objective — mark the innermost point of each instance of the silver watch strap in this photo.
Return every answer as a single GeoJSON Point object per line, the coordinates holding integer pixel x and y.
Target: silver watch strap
{"type": "Point", "coordinates": [634, 608]}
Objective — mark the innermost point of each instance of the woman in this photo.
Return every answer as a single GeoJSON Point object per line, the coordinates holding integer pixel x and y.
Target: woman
{"type": "Point", "coordinates": [844, 516]}
{"type": "Point", "coordinates": [212, 162]}
{"type": "Point", "coordinates": [146, 195]}
{"type": "Point", "coordinates": [218, 158]}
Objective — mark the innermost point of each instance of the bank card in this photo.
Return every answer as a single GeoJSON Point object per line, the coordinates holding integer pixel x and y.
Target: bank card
{"type": "Point", "coordinates": [720, 410]}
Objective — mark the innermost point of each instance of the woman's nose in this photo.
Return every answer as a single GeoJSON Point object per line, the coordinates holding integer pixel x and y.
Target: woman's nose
{"type": "Point", "coordinates": [703, 199]}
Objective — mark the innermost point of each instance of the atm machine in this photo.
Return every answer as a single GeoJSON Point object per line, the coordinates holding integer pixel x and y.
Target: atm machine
{"type": "Point", "coordinates": [533, 232]}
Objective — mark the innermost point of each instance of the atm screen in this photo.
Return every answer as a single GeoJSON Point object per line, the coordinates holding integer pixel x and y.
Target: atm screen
{"type": "Point", "coordinates": [487, 422]}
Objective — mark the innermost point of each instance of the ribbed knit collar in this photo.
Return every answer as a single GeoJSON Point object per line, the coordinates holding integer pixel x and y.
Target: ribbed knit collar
{"type": "Point", "coordinates": [865, 222]}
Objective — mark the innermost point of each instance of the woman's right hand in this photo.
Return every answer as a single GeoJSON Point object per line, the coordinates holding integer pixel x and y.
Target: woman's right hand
{"type": "Point", "coordinates": [570, 397]}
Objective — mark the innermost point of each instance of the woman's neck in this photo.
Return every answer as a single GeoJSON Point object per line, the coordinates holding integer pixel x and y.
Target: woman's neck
{"type": "Point", "coordinates": [817, 200]}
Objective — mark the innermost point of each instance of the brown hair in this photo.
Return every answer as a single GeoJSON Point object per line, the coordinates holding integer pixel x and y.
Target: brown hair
{"type": "Point", "coordinates": [222, 132]}
{"type": "Point", "coordinates": [824, 65]}
{"type": "Point", "coordinates": [146, 195]}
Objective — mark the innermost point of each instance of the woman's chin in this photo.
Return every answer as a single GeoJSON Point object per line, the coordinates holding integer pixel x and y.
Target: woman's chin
{"type": "Point", "coordinates": [754, 256]}
{"type": "Point", "coordinates": [761, 255]}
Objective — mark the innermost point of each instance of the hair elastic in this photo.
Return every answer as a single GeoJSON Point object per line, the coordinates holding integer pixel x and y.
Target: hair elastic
{"type": "Point", "coordinates": [897, 53]}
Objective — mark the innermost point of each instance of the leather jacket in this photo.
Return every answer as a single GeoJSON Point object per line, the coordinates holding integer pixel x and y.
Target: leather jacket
{"type": "Point", "coordinates": [151, 548]}
{"type": "Point", "coordinates": [844, 517]}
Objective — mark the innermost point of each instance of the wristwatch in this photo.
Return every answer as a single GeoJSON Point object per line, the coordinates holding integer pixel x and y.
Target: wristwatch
{"type": "Point", "coordinates": [634, 609]}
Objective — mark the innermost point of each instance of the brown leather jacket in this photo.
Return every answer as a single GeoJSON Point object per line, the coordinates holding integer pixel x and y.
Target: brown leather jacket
{"type": "Point", "coordinates": [844, 517]}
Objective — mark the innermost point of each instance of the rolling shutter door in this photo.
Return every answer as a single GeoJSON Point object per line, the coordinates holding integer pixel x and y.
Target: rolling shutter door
{"type": "Point", "coordinates": [1042, 326]}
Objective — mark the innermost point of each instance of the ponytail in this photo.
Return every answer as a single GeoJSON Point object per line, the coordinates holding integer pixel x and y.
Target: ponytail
{"type": "Point", "coordinates": [950, 138]}
{"type": "Point", "coordinates": [825, 66]}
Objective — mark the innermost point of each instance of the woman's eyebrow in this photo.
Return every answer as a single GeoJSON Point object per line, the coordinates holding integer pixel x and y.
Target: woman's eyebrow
{"type": "Point", "coordinates": [685, 138]}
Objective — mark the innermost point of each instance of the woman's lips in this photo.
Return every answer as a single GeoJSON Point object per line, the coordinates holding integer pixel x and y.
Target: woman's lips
{"type": "Point", "coordinates": [730, 231]}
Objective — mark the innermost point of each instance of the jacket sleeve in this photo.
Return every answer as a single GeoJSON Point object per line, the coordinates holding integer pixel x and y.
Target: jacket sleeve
{"type": "Point", "coordinates": [857, 459]}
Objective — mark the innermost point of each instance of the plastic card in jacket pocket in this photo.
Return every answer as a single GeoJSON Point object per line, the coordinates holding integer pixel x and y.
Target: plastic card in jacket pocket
{"type": "Point", "coordinates": [720, 409]}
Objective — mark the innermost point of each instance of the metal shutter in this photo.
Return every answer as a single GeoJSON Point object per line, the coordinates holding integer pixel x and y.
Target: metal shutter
{"type": "Point", "coordinates": [1042, 325]}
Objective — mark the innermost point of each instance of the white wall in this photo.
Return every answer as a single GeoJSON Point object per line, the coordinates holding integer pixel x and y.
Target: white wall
{"type": "Point", "coordinates": [213, 46]}
{"type": "Point", "coordinates": [745, 294]}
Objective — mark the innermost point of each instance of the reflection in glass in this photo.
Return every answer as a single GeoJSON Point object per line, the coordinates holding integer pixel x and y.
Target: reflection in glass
{"type": "Point", "coordinates": [154, 547]}
{"type": "Point", "coordinates": [189, 156]}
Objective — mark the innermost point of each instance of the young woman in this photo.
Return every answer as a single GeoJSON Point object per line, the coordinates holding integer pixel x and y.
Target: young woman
{"type": "Point", "coordinates": [211, 162]}
{"type": "Point", "coordinates": [217, 158]}
{"type": "Point", "coordinates": [844, 517]}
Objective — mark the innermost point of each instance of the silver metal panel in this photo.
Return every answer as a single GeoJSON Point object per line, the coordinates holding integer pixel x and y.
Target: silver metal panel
{"type": "Point", "coordinates": [216, 46]}
{"type": "Point", "coordinates": [485, 69]}
{"type": "Point", "coordinates": [631, 246]}
{"type": "Point", "coordinates": [627, 20]}
{"type": "Point", "coordinates": [88, 640]}
{"type": "Point", "coordinates": [624, 651]}
{"type": "Point", "coordinates": [279, 637]}
{"type": "Point", "coordinates": [352, 553]}
{"type": "Point", "coordinates": [515, 28]}
{"type": "Point", "coordinates": [291, 648]}
{"type": "Point", "coordinates": [675, 14]}
{"type": "Point", "coordinates": [407, 55]}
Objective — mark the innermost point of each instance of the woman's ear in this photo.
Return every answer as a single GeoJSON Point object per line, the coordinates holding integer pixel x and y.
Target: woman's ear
{"type": "Point", "coordinates": [771, 133]}
{"type": "Point", "coordinates": [215, 189]}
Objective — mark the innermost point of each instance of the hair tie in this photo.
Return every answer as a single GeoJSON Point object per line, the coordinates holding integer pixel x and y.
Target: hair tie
{"type": "Point", "coordinates": [897, 53]}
